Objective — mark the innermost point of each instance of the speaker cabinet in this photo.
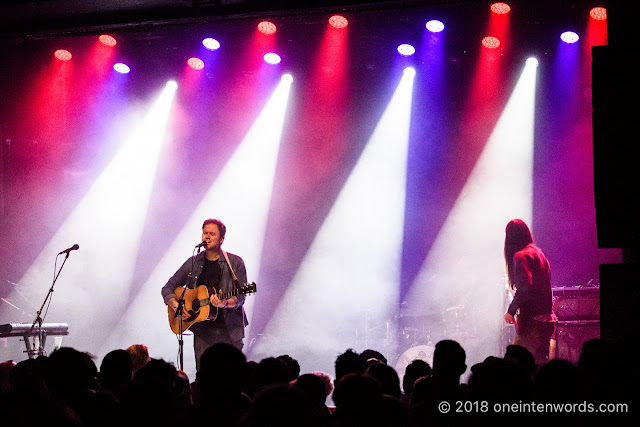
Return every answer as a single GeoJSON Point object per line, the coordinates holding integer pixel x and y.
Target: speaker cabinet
{"type": "Point", "coordinates": [576, 303]}
{"type": "Point", "coordinates": [578, 311]}
{"type": "Point", "coordinates": [571, 335]}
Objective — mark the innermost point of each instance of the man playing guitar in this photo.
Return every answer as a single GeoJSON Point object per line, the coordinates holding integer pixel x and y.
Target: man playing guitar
{"type": "Point", "coordinates": [220, 272]}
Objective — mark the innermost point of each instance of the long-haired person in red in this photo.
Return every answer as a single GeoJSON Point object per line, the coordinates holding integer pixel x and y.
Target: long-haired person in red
{"type": "Point", "coordinates": [528, 273]}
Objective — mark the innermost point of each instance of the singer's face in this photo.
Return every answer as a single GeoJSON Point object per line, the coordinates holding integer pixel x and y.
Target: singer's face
{"type": "Point", "coordinates": [211, 234]}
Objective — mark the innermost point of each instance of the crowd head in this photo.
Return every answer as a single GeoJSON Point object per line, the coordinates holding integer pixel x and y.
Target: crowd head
{"type": "Point", "coordinates": [132, 388]}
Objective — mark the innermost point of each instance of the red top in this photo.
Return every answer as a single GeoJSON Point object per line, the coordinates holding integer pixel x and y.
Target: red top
{"type": "Point", "coordinates": [533, 283]}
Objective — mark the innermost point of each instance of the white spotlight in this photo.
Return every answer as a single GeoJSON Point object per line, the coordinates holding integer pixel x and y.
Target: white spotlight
{"type": "Point", "coordinates": [287, 78]}
{"type": "Point", "coordinates": [409, 71]}
{"type": "Point", "coordinates": [532, 61]}
{"type": "Point", "coordinates": [569, 37]}
{"type": "Point", "coordinates": [272, 58]}
{"type": "Point", "coordinates": [211, 44]}
{"type": "Point", "coordinates": [118, 200]}
{"type": "Point", "coordinates": [406, 49]}
{"type": "Point", "coordinates": [345, 241]}
{"type": "Point", "coordinates": [172, 84]}
{"type": "Point", "coordinates": [121, 68]}
{"type": "Point", "coordinates": [469, 243]}
{"type": "Point", "coordinates": [435, 26]}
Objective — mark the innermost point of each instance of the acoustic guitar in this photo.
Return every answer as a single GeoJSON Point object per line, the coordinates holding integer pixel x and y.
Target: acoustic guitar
{"type": "Point", "coordinates": [196, 304]}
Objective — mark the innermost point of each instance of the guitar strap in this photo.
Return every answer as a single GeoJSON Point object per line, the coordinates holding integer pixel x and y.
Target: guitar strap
{"type": "Point", "coordinates": [233, 274]}
{"type": "Point", "coordinates": [235, 279]}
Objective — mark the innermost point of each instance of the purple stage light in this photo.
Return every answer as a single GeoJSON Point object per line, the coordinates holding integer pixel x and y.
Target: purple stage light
{"type": "Point", "coordinates": [435, 26]}
{"type": "Point", "coordinates": [406, 50]}
{"type": "Point", "coordinates": [211, 44]}
{"type": "Point", "coordinates": [569, 37]}
{"type": "Point", "coordinates": [121, 68]}
{"type": "Point", "coordinates": [272, 58]}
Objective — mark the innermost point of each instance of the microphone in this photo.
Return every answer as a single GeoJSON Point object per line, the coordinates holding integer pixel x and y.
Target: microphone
{"type": "Point", "coordinates": [202, 244]}
{"type": "Point", "coordinates": [72, 248]}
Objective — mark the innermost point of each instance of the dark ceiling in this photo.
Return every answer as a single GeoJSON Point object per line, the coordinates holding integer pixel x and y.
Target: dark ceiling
{"type": "Point", "coordinates": [73, 16]}
{"type": "Point", "coordinates": [19, 18]}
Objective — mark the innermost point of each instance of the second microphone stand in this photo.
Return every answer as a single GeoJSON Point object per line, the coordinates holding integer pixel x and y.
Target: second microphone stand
{"type": "Point", "coordinates": [32, 351]}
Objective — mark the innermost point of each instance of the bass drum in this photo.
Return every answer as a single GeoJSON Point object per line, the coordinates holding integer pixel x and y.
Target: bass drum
{"type": "Point", "coordinates": [423, 352]}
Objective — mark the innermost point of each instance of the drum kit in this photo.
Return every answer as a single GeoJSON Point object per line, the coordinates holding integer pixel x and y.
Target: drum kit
{"type": "Point", "coordinates": [417, 335]}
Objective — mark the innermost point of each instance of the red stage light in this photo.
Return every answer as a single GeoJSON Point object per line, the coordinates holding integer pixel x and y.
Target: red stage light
{"type": "Point", "coordinates": [490, 42]}
{"type": "Point", "coordinates": [266, 27]}
{"type": "Point", "coordinates": [338, 21]}
{"type": "Point", "coordinates": [62, 55]}
{"type": "Point", "coordinates": [195, 63]}
{"type": "Point", "coordinates": [107, 40]}
{"type": "Point", "coordinates": [500, 8]}
{"type": "Point", "coordinates": [598, 13]}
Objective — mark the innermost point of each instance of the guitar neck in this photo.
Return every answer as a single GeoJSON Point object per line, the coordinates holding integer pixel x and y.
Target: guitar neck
{"type": "Point", "coordinates": [249, 289]}
{"type": "Point", "coordinates": [232, 293]}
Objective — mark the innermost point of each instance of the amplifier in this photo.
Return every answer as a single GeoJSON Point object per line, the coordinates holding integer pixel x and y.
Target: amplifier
{"type": "Point", "coordinates": [576, 303]}
{"type": "Point", "coordinates": [571, 336]}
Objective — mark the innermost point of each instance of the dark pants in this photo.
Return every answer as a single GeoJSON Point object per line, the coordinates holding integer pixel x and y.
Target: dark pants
{"type": "Point", "coordinates": [535, 337]}
{"type": "Point", "coordinates": [208, 333]}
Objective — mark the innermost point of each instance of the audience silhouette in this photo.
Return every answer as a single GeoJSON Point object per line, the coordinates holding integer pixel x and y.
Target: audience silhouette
{"type": "Point", "coordinates": [133, 389]}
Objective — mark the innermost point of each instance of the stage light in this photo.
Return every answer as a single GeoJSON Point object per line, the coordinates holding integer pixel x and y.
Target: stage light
{"type": "Point", "coordinates": [491, 42]}
{"type": "Point", "coordinates": [435, 26]}
{"type": "Point", "coordinates": [171, 84]}
{"type": "Point", "coordinates": [195, 63]}
{"type": "Point", "coordinates": [374, 193]}
{"type": "Point", "coordinates": [240, 192]}
{"type": "Point", "coordinates": [532, 61]}
{"type": "Point", "coordinates": [406, 50]}
{"type": "Point", "coordinates": [121, 68]}
{"type": "Point", "coordinates": [62, 55]}
{"type": "Point", "coordinates": [266, 27]}
{"type": "Point", "coordinates": [569, 37]}
{"type": "Point", "coordinates": [211, 44]}
{"type": "Point", "coordinates": [338, 21]}
{"type": "Point", "coordinates": [500, 8]}
{"type": "Point", "coordinates": [598, 13]}
{"type": "Point", "coordinates": [118, 199]}
{"type": "Point", "coordinates": [409, 71]}
{"type": "Point", "coordinates": [107, 40]}
{"type": "Point", "coordinates": [469, 240]}
{"type": "Point", "coordinates": [287, 78]}
{"type": "Point", "coordinates": [272, 58]}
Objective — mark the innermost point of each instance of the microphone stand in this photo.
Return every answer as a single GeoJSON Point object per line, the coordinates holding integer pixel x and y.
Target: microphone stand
{"type": "Point", "coordinates": [178, 315]}
{"type": "Point", "coordinates": [41, 337]}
